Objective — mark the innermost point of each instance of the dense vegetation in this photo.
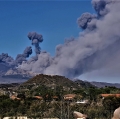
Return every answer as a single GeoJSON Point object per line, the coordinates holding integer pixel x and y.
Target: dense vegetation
{"type": "Point", "coordinates": [52, 103]}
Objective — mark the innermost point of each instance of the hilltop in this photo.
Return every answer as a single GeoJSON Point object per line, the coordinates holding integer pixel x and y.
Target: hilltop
{"type": "Point", "coordinates": [23, 78]}
{"type": "Point", "coordinates": [49, 80]}
{"type": "Point", "coordinates": [56, 80]}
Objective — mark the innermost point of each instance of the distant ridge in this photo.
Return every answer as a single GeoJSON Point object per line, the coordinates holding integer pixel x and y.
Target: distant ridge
{"type": "Point", "coordinates": [84, 84]}
{"type": "Point", "coordinates": [103, 84]}
{"type": "Point", "coordinates": [10, 80]}
{"type": "Point", "coordinates": [56, 80]}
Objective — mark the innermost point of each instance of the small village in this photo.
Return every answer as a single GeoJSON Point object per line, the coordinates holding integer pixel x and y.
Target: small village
{"type": "Point", "coordinates": [36, 101]}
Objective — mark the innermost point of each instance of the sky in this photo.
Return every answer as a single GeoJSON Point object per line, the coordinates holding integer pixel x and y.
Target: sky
{"type": "Point", "coordinates": [55, 20]}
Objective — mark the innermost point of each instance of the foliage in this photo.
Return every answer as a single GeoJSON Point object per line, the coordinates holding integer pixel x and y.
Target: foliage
{"type": "Point", "coordinates": [56, 86]}
{"type": "Point", "coordinates": [111, 103]}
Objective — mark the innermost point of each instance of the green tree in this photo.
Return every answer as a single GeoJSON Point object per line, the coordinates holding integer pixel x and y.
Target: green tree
{"type": "Point", "coordinates": [110, 103]}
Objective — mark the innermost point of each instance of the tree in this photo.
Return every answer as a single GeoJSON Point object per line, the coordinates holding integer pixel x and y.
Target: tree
{"type": "Point", "coordinates": [110, 103]}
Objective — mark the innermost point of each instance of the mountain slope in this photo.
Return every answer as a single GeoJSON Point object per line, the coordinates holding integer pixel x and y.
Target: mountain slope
{"type": "Point", "coordinates": [103, 84]}
{"type": "Point", "coordinates": [84, 84]}
{"type": "Point", "coordinates": [49, 80]}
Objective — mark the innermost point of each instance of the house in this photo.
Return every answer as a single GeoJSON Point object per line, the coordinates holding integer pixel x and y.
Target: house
{"type": "Point", "coordinates": [19, 117]}
{"type": "Point", "coordinates": [8, 117]}
{"type": "Point", "coordinates": [113, 95]}
{"type": "Point", "coordinates": [50, 118]}
{"type": "Point", "coordinates": [55, 98]}
{"type": "Point", "coordinates": [22, 117]}
{"type": "Point", "coordinates": [69, 96]}
{"type": "Point", "coordinates": [2, 92]}
{"type": "Point", "coordinates": [82, 102]}
{"type": "Point", "coordinates": [38, 97]}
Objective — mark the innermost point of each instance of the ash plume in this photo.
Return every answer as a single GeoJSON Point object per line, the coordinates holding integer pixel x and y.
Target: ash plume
{"type": "Point", "coordinates": [5, 58]}
{"type": "Point", "coordinates": [27, 52]}
{"type": "Point", "coordinates": [94, 49]}
{"type": "Point", "coordinates": [85, 19]}
{"type": "Point", "coordinates": [36, 39]}
{"type": "Point", "coordinates": [22, 57]}
{"type": "Point", "coordinates": [100, 6]}
{"type": "Point", "coordinates": [38, 66]}
{"type": "Point", "coordinates": [6, 62]}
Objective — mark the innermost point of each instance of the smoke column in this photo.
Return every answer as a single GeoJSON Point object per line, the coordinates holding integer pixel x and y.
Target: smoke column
{"type": "Point", "coordinates": [22, 57]}
{"type": "Point", "coordinates": [36, 39]}
{"type": "Point", "coordinates": [97, 47]}
{"type": "Point", "coordinates": [27, 52]}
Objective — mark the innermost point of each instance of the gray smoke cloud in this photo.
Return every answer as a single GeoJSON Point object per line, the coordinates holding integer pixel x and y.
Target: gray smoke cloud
{"type": "Point", "coordinates": [101, 6]}
{"type": "Point", "coordinates": [88, 20]}
{"type": "Point", "coordinates": [36, 39]}
{"type": "Point", "coordinates": [27, 52]}
{"type": "Point", "coordinates": [85, 19]}
{"type": "Point", "coordinates": [5, 58]}
{"type": "Point", "coordinates": [93, 50]}
{"type": "Point", "coordinates": [22, 57]}
{"type": "Point", "coordinates": [6, 62]}
{"type": "Point", "coordinates": [38, 66]}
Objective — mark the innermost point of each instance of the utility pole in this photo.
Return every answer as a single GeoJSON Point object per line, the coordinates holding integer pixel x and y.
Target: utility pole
{"type": "Point", "coordinates": [68, 110]}
{"type": "Point", "coordinates": [61, 109]}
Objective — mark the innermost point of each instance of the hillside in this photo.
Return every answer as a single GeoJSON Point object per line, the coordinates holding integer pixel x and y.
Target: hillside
{"type": "Point", "coordinates": [55, 80]}
{"type": "Point", "coordinates": [49, 80]}
{"type": "Point", "coordinates": [84, 84]}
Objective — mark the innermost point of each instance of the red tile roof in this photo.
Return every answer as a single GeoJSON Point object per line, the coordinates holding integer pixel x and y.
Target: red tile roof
{"type": "Point", "coordinates": [114, 95]}
{"type": "Point", "coordinates": [69, 96]}
{"type": "Point", "coordinates": [38, 97]}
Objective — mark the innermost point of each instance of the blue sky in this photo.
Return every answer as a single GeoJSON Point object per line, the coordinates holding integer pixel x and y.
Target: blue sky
{"type": "Point", "coordinates": [55, 20]}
